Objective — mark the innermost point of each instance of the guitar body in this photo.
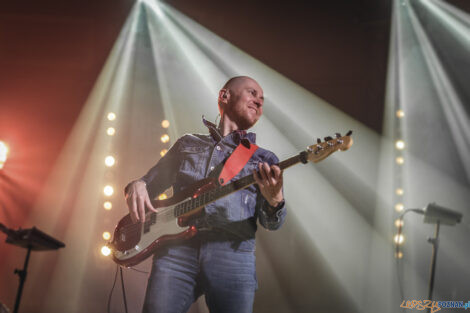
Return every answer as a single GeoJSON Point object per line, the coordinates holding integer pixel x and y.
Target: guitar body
{"type": "Point", "coordinates": [134, 242]}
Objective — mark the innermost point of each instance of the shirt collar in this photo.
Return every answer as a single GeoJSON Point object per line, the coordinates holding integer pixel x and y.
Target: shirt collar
{"type": "Point", "coordinates": [236, 135]}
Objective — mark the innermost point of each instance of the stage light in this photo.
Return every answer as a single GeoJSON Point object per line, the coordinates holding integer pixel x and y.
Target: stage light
{"type": "Point", "coordinates": [399, 255]}
{"type": "Point", "coordinates": [3, 154]}
{"type": "Point", "coordinates": [107, 205]}
{"type": "Point", "coordinates": [398, 222]}
{"type": "Point", "coordinates": [106, 235]}
{"type": "Point", "coordinates": [105, 251]}
{"type": "Point", "coordinates": [400, 144]}
{"type": "Point", "coordinates": [399, 207]}
{"type": "Point", "coordinates": [108, 190]}
{"type": "Point", "coordinates": [400, 113]}
{"type": "Point", "coordinates": [109, 161]}
{"type": "Point", "coordinates": [163, 152]}
{"type": "Point", "coordinates": [400, 160]}
{"type": "Point", "coordinates": [165, 124]}
{"type": "Point", "coordinates": [399, 192]}
{"type": "Point", "coordinates": [111, 131]}
{"type": "Point", "coordinates": [162, 196]}
{"type": "Point", "coordinates": [111, 116]}
{"type": "Point", "coordinates": [165, 138]}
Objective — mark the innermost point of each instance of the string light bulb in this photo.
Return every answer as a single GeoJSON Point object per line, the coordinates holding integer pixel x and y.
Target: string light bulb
{"type": "Point", "coordinates": [400, 144]}
{"type": "Point", "coordinates": [399, 207]}
{"type": "Point", "coordinates": [111, 116]}
{"type": "Point", "coordinates": [108, 190]}
{"type": "Point", "coordinates": [105, 250]}
{"type": "Point", "coordinates": [109, 161]}
{"type": "Point", "coordinates": [165, 138]}
{"type": "Point", "coordinates": [107, 205]}
{"type": "Point", "coordinates": [400, 160]}
{"type": "Point", "coordinates": [106, 235]}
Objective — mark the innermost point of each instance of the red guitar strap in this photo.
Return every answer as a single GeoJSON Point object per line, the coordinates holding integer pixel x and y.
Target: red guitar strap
{"type": "Point", "coordinates": [236, 162]}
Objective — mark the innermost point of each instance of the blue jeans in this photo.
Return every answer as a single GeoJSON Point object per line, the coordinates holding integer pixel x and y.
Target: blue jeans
{"type": "Point", "coordinates": [224, 271]}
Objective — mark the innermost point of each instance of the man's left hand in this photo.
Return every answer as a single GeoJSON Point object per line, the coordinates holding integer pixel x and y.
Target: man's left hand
{"type": "Point", "coordinates": [269, 180]}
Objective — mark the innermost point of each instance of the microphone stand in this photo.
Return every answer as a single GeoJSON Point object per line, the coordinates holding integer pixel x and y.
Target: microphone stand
{"type": "Point", "coordinates": [22, 275]}
{"type": "Point", "coordinates": [432, 269]}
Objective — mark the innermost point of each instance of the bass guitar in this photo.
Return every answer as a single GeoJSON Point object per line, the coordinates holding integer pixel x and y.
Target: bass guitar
{"type": "Point", "coordinates": [134, 242]}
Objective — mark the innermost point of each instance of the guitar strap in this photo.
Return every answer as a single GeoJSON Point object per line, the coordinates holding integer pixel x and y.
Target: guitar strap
{"type": "Point", "coordinates": [237, 160]}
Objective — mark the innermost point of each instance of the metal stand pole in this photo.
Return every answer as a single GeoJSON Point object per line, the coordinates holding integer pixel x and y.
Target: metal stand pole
{"type": "Point", "coordinates": [435, 243]}
{"type": "Point", "coordinates": [22, 274]}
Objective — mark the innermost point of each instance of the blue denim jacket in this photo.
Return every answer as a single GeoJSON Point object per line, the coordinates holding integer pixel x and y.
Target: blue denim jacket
{"type": "Point", "coordinates": [196, 156]}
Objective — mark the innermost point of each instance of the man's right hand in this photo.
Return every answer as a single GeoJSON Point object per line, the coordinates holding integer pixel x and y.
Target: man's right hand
{"type": "Point", "coordinates": [137, 199]}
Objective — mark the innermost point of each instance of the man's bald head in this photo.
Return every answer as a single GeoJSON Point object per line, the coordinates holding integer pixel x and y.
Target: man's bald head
{"type": "Point", "coordinates": [241, 99]}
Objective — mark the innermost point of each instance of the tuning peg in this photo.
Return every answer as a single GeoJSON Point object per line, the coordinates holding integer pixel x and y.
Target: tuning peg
{"type": "Point", "coordinates": [318, 140]}
{"type": "Point", "coordinates": [328, 138]}
{"type": "Point", "coordinates": [349, 133]}
{"type": "Point", "coordinates": [338, 135]}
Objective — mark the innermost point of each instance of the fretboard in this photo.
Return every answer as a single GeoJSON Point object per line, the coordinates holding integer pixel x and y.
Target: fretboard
{"type": "Point", "coordinates": [222, 191]}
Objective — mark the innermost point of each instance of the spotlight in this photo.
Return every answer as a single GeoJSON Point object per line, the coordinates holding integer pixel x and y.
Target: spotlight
{"type": "Point", "coordinates": [106, 235]}
{"type": "Point", "coordinates": [107, 205]}
{"type": "Point", "coordinates": [165, 138]}
{"type": "Point", "coordinates": [105, 251]}
{"type": "Point", "coordinates": [109, 161]}
{"type": "Point", "coordinates": [399, 192]}
{"type": "Point", "coordinates": [108, 190]}
{"type": "Point", "coordinates": [111, 131]}
{"type": "Point", "coordinates": [399, 207]}
{"type": "Point", "coordinates": [162, 196]}
{"type": "Point", "coordinates": [400, 144]}
{"type": "Point", "coordinates": [400, 113]}
{"type": "Point", "coordinates": [399, 255]}
{"type": "Point", "coordinates": [165, 124]}
{"type": "Point", "coordinates": [399, 239]}
{"type": "Point", "coordinates": [400, 160]}
{"type": "Point", "coordinates": [111, 116]}
{"type": "Point", "coordinates": [163, 152]}
{"type": "Point", "coordinates": [3, 154]}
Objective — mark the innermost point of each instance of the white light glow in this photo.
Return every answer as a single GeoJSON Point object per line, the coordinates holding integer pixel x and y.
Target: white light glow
{"type": "Point", "coordinates": [108, 190]}
{"type": "Point", "coordinates": [111, 116]}
{"type": "Point", "coordinates": [165, 124]}
{"type": "Point", "coordinates": [109, 161]}
{"type": "Point", "coordinates": [106, 235]}
{"type": "Point", "coordinates": [107, 205]}
{"type": "Point", "coordinates": [165, 138]}
{"type": "Point", "coordinates": [399, 239]}
{"type": "Point", "coordinates": [105, 251]}
{"type": "Point", "coordinates": [3, 153]}
{"type": "Point", "coordinates": [400, 144]}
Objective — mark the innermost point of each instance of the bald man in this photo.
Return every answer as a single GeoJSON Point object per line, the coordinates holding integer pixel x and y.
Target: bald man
{"type": "Point", "coordinates": [219, 261]}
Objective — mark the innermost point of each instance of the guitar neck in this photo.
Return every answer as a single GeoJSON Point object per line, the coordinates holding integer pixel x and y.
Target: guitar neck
{"type": "Point", "coordinates": [225, 190]}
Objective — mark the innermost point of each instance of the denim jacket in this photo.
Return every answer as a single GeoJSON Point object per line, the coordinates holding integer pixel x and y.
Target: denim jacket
{"type": "Point", "coordinates": [197, 156]}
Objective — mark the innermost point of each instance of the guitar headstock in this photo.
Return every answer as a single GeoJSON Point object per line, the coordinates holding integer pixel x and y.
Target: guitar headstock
{"type": "Point", "coordinates": [322, 149]}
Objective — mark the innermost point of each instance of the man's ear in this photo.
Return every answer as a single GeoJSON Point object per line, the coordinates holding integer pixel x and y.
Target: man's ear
{"type": "Point", "coordinates": [224, 96]}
